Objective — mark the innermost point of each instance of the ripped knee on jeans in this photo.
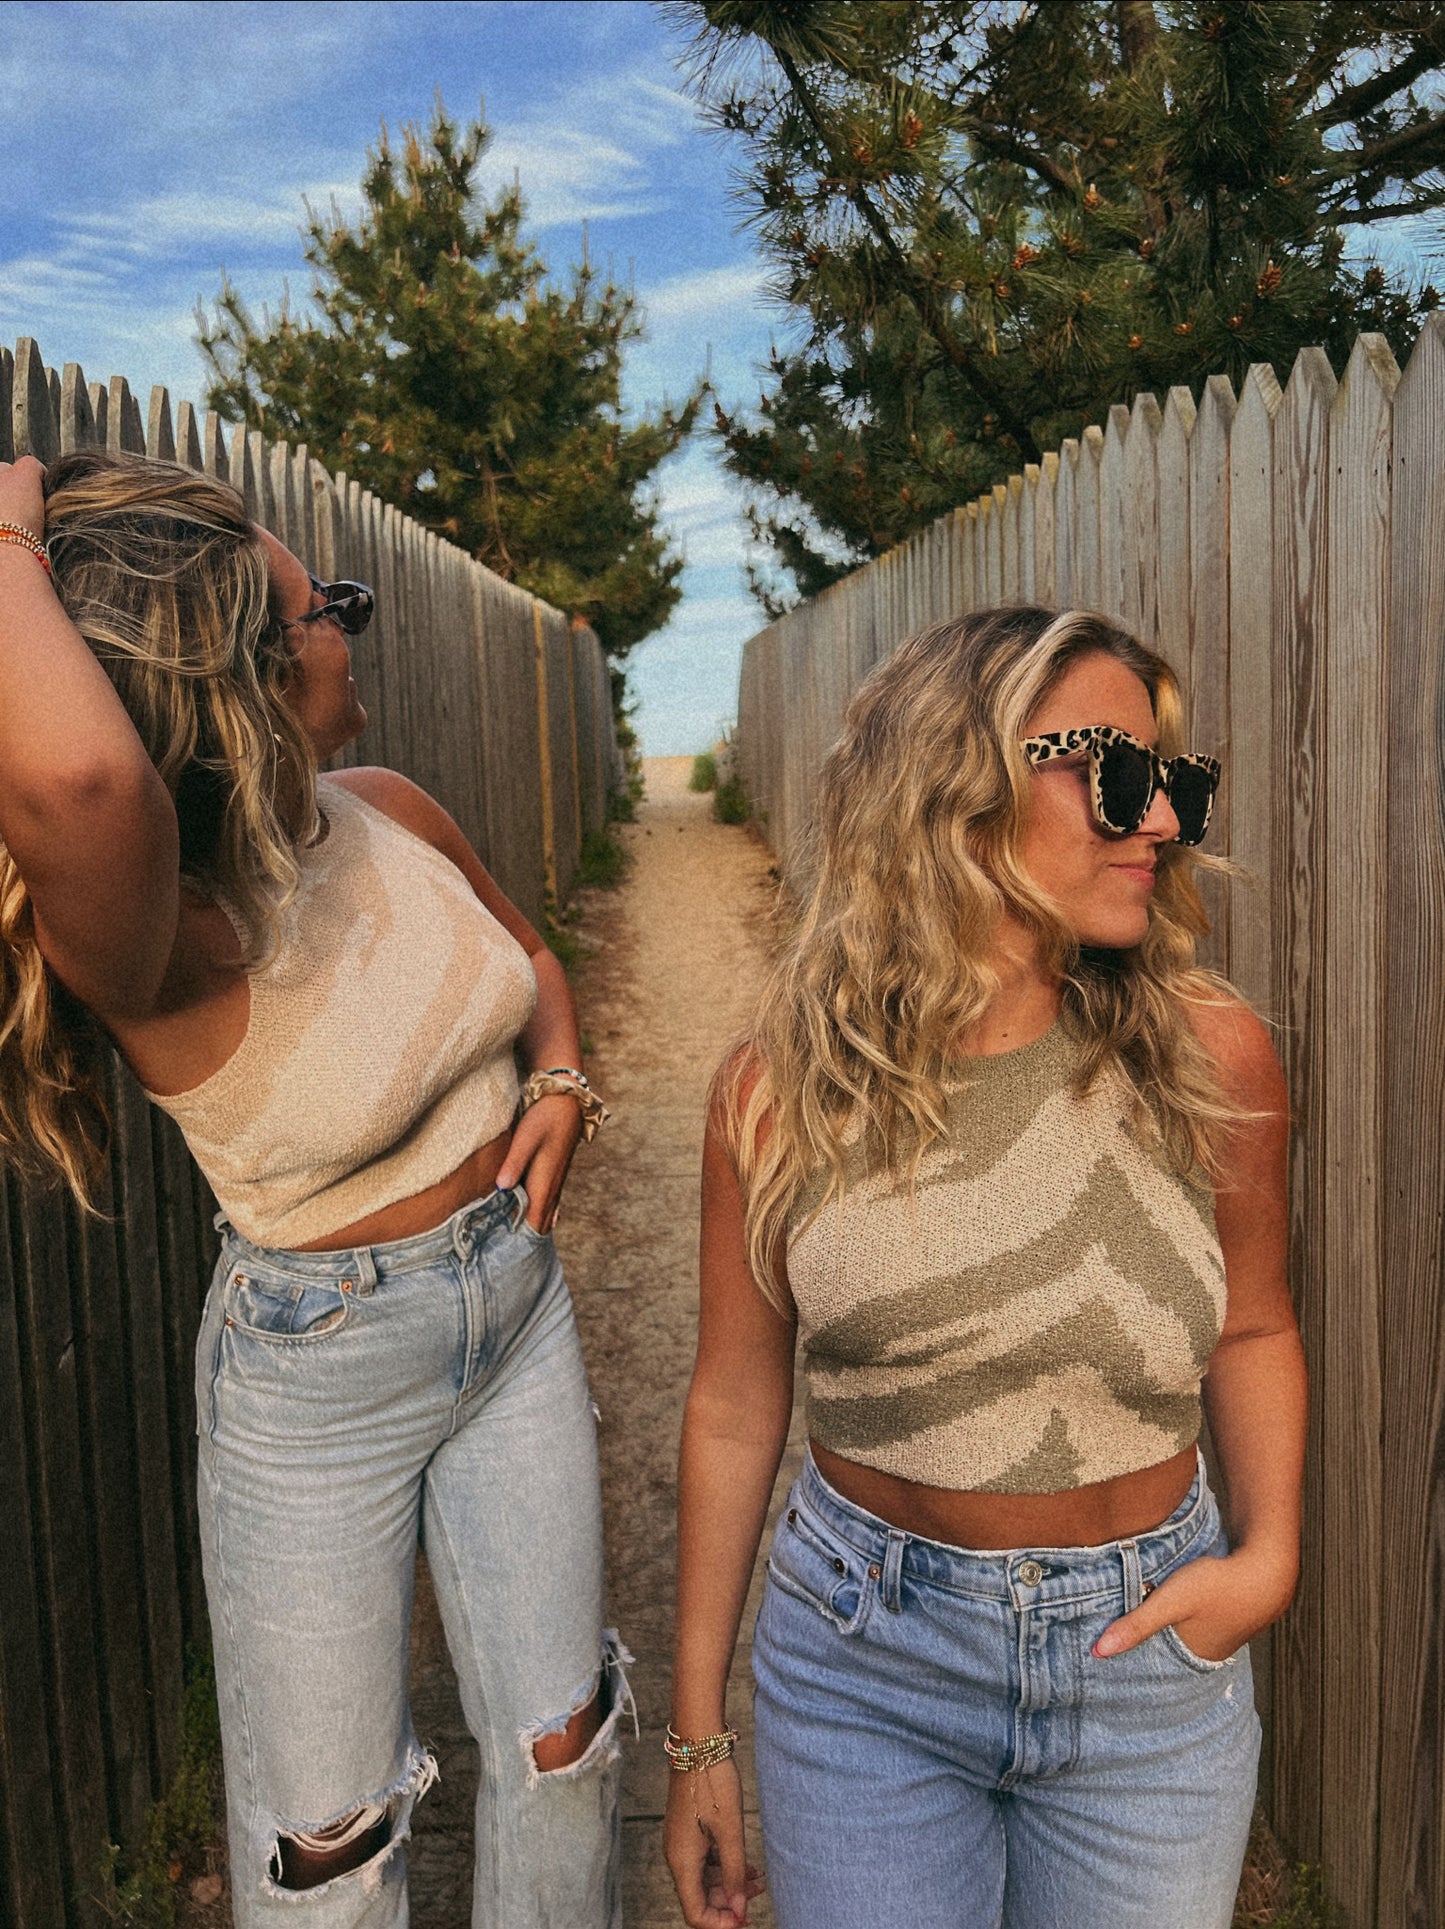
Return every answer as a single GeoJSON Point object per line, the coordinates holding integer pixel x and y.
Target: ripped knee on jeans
{"type": "Point", "coordinates": [363, 1839]}
{"type": "Point", "coordinates": [586, 1737]}
{"type": "Point", "coordinates": [305, 1858]}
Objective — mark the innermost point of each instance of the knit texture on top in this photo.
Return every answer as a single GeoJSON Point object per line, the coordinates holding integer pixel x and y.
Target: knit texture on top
{"type": "Point", "coordinates": [1037, 1316]}
{"type": "Point", "coordinates": [378, 1054]}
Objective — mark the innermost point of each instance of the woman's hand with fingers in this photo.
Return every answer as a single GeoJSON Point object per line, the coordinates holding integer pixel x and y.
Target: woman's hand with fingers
{"type": "Point", "coordinates": [1214, 1606]}
{"type": "Point", "coordinates": [543, 1141]}
{"type": "Point", "coordinates": [703, 1840]}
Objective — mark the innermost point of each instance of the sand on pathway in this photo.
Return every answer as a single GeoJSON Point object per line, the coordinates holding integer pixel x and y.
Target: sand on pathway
{"type": "Point", "coordinates": [677, 954]}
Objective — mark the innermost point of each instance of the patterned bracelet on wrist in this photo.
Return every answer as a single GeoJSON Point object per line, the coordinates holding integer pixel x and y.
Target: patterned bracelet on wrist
{"type": "Point", "coordinates": [562, 1079]}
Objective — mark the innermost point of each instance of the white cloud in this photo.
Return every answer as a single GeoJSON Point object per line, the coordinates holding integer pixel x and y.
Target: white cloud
{"type": "Point", "coordinates": [568, 175]}
{"type": "Point", "coordinates": [587, 159]}
{"type": "Point", "coordinates": [157, 224]}
{"type": "Point", "coordinates": [708, 292]}
{"type": "Point", "coordinates": [51, 278]}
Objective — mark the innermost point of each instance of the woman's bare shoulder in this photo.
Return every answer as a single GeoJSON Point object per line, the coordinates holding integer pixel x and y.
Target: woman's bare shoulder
{"type": "Point", "coordinates": [1239, 1042]}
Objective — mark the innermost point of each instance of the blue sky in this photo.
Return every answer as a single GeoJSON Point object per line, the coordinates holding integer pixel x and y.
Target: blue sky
{"type": "Point", "coordinates": [145, 147]}
{"type": "Point", "coordinates": [148, 144]}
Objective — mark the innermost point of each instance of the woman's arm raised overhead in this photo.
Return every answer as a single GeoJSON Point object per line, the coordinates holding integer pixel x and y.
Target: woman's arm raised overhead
{"type": "Point", "coordinates": [1255, 1388]}
{"type": "Point", "coordinates": [83, 813]}
{"type": "Point", "coordinates": [734, 1431]}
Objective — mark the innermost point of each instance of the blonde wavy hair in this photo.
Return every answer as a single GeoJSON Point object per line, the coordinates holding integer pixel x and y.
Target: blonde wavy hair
{"type": "Point", "coordinates": [915, 855]}
{"type": "Point", "coordinates": [163, 574]}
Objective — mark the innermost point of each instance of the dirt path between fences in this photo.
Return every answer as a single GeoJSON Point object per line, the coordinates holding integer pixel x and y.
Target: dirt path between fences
{"type": "Point", "coordinates": [676, 957]}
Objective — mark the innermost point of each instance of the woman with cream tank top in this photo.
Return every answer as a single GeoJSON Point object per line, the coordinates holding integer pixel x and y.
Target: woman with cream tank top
{"type": "Point", "coordinates": [314, 975]}
{"type": "Point", "coordinates": [1011, 1167]}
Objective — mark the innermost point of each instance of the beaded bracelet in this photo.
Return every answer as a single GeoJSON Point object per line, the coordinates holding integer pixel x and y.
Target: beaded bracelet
{"type": "Point", "coordinates": [16, 532]}
{"type": "Point", "coordinates": [706, 1751]}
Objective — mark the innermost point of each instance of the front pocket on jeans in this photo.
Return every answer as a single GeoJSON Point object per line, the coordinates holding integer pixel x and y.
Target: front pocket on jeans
{"type": "Point", "coordinates": [289, 1311]}
{"type": "Point", "coordinates": [831, 1577]}
{"type": "Point", "coordinates": [1198, 1662]}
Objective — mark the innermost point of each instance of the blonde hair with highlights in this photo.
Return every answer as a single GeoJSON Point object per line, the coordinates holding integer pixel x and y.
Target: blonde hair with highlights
{"type": "Point", "coordinates": [163, 574]}
{"type": "Point", "coordinates": [915, 857]}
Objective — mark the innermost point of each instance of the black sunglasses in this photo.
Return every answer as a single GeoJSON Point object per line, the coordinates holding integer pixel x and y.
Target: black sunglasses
{"type": "Point", "coordinates": [350, 603]}
{"type": "Point", "coordinates": [1125, 775]}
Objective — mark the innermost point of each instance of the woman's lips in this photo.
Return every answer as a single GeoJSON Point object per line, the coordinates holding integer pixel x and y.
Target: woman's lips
{"type": "Point", "coordinates": [1139, 873]}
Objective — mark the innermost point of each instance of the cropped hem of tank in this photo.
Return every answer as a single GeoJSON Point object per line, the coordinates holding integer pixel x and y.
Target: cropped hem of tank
{"type": "Point", "coordinates": [378, 1054]}
{"type": "Point", "coordinates": [943, 1473]}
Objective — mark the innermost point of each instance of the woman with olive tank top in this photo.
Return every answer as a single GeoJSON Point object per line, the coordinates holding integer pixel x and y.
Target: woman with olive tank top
{"type": "Point", "coordinates": [1012, 1168]}
{"type": "Point", "coordinates": [315, 976]}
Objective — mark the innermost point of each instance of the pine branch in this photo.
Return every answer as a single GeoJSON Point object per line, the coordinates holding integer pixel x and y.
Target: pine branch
{"type": "Point", "coordinates": [1388, 157]}
{"type": "Point", "coordinates": [1008, 147]}
{"type": "Point", "coordinates": [1352, 102]}
{"type": "Point", "coordinates": [1341, 214]}
{"type": "Point", "coordinates": [923, 297]}
{"type": "Point", "coordinates": [1138, 31]}
{"type": "Point", "coordinates": [1337, 33]}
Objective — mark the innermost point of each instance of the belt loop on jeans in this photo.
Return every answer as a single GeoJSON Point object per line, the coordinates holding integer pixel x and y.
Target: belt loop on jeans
{"type": "Point", "coordinates": [1133, 1575]}
{"type": "Point", "coordinates": [891, 1584]}
{"type": "Point", "coordinates": [364, 1268]}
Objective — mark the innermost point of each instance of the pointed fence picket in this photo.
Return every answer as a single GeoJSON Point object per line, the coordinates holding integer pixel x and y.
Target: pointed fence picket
{"type": "Point", "coordinates": [1285, 552]}
{"type": "Point", "coordinates": [100, 1590]}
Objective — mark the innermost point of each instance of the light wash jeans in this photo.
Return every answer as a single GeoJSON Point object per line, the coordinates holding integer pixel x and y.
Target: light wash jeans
{"type": "Point", "coordinates": [937, 1745]}
{"type": "Point", "coordinates": [348, 1401]}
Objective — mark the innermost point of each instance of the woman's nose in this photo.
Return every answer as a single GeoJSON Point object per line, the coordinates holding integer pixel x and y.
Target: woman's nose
{"type": "Point", "coordinates": [1159, 820]}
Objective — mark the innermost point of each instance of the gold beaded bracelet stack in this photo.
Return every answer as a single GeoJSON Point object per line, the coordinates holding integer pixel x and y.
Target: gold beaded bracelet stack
{"type": "Point", "coordinates": [694, 1757]}
{"type": "Point", "coordinates": [687, 1757]}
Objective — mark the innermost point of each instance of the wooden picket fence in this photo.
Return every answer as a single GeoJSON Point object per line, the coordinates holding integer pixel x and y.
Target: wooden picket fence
{"type": "Point", "coordinates": [1285, 551]}
{"type": "Point", "coordinates": [501, 708]}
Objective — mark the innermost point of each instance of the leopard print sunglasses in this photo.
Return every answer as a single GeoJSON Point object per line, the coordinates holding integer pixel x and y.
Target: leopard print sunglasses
{"type": "Point", "coordinates": [1124, 776]}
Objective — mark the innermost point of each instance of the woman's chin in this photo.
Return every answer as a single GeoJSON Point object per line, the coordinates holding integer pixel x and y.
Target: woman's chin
{"type": "Point", "coordinates": [1114, 934]}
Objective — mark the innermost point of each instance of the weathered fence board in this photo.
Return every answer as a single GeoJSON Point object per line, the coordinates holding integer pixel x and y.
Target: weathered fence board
{"type": "Point", "coordinates": [1286, 554]}
{"type": "Point", "coordinates": [1300, 545]}
{"type": "Point", "coordinates": [101, 1593]}
{"type": "Point", "coordinates": [1412, 1628]}
{"type": "Point", "coordinates": [1357, 773]}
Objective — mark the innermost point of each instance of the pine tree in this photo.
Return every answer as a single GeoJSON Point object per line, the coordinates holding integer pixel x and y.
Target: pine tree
{"type": "Point", "coordinates": [445, 369]}
{"type": "Point", "coordinates": [994, 218]}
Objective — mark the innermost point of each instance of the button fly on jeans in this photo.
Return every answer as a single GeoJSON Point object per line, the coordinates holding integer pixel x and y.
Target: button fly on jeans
{"type": "Point", "coordinates": [1030, 1573]}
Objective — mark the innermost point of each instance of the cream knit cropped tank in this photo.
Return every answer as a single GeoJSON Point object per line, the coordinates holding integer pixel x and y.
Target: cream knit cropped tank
{"type": "Point", "coordinates": [378, 1054]}
{"type": "Point", "coordinates": [1037, 1317]}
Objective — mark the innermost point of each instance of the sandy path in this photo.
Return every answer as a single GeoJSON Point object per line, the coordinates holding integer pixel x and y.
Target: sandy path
{"type": "Point", "coordinates": [677, 957]}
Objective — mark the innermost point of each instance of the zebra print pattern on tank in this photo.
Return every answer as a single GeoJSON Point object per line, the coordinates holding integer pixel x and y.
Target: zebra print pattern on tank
{"type": "Point", "coordinates": [1036, 1316]}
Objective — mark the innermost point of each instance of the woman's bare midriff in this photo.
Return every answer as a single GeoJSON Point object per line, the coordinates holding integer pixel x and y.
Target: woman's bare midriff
{"type": "Point", "coordinates": [423, 1211]}
{"type": "Point", "coordinates": [1108, 1510]}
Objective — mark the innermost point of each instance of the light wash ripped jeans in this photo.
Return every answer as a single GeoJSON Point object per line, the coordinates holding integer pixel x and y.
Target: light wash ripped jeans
{"type": "Point", "coordinates": [937, 1744]}
{"type": "Point", "coordinates": [347, 1402]}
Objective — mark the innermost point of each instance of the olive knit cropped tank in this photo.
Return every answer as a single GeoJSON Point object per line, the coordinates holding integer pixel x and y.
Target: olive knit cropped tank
{"type": "Point", "coordinates": [1037, 1316]}
{"type": "Point", "coordinates": [378, 1054]}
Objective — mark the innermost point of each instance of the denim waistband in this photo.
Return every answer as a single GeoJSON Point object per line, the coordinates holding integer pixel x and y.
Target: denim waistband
{"type": "Point", "coordinates": [478, 1219]}
{"type": "Point", "coordinates": [1036, 1574]}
